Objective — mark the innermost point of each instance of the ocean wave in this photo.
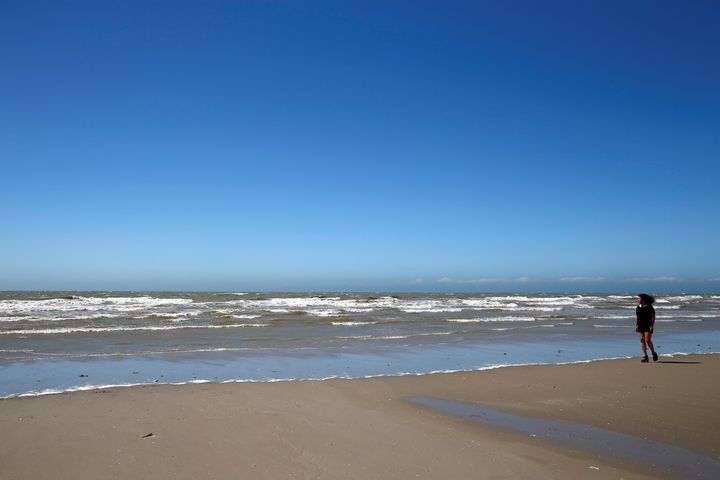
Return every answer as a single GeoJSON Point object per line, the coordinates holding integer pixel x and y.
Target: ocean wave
{"type": "Point", "coordinates": [487, 303]}
{"type": "Point", "coordinates": [15, 318]}
{"type": "Point", "coordinates": [325, 313]}
{"type": "Point", "coordinates": [657, 307]}
{"type": "Point", "coordinates": [51, 331]}
{"type": "Point", "coordinates": [88, 303]}
{"type": "Point", "coordinates": [535, 309]}
{"type": "Point", "coordinates": [146, 306]}
{"type": "Point", "coordinates": [352, 324]}
{"type": "Point", "coordinates": [681, 298]}
{"type": "Point", "coordinates": [135, 353]}
{"type": "Point", "coordinates": [71, 316]}
{"type": "Point", "coordinates": [490, 319]}
{"type": "Point", "coordinates": [524, 298]}
{"type": "Point", "coordinates": [394, 337]}
{"type": "Point", "coordinates": [679, 320]}
{"type": "Point", "coordinates": [314, 302]}
{"type": "Point", "coordinates": [420, 309]}
{"type": "Point", "coordinates": [184, 313]}
{"type": "Point", "coordinates": [233, 313]}
{"type": "Point", "coordinates": [560, 301]}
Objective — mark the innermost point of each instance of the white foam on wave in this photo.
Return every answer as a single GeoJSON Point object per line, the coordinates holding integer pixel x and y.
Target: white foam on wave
{"type": "Point", "coordinates": [352, 324]}
{"type": "Point", "coordinates": [536, 309]}
{"type": "Point", "coordinates": [524, 298]}
{"type": "Point", "coordinates": [508, 303]}
{"type": "Point", "coordinates": [555, 301]}
{"type": "Point", "coordinates": [490, 319]}
{"type": "Point", "coordinates": [326, 313]}
{"type": "Point", "coordinates": [315, 304]}
{"type": "Point", "coordinates": [88, 388]}
{"type": "Point", "coordinates": [16, 318]}
{"type": "Point", "coordinates": [231, 312]}
{"type": "Point", "coordinates": [61, 318]}
{"type": "Point", "coordinates": [419, 309]}
{"type": "Point", "coordinates": [80, 388]}
{"type": "Point", "coordinates": [681, 298]}
{"type": "Point", "coordinates": [394, 337]}
{"type": "Point", "coordinates": [656, 307]}
{"type": "Point", "coordinates": [51, 331]}
{"type": "Point", "coordinates": [135, 353]}
{"type": "Point", "coordinates": [146, 306]}
{"type": "Point", "coordinates": [679, 320]}
{"type": "Point", "coordinates": [488, 303]}
{"type": "Point", "coordinates": [70, 316]}
{"type": "Point", "coordinates": [184, 313]}
{"type": "Point", "coordinates": [88, 303]}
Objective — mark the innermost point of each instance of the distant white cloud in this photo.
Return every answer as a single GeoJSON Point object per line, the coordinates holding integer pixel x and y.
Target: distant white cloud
{"type": "Point", "coordinates": [661, 278]}
{"type": "Point", "coordinates": [581, 279]}
{"type": "Point", "coordinates": [716, 279]}
{"type": "Point", "coordinates": [471, 280]}
{"type": "Point", "coordinates": [483, 280]}
{"type": "Point", "coordinates": [417, 280]}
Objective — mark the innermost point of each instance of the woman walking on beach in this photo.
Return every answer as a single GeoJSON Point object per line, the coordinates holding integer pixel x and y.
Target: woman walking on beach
{"type": "Point", "coordinates": [644, 323]}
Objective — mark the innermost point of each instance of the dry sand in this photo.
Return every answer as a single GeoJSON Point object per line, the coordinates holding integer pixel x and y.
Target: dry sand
{"type": "Point", "coordinates": [363, 428]}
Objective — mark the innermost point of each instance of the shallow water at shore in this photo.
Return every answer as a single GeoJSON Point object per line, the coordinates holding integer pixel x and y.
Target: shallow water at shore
{"type": "Point", "coordinates": [680, 462]}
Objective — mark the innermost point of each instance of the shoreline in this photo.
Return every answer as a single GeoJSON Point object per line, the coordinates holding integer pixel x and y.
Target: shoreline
{"type": "Point", "coordinates": [91, 388]}
{"type": "Point", "coordinates": [364, 428]}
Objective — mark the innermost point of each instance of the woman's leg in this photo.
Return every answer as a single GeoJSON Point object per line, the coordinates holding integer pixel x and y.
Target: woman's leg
{"type": "Point", "coordinates": [642, 343]}
{"type": "Point", "coordinates": [648, 340]}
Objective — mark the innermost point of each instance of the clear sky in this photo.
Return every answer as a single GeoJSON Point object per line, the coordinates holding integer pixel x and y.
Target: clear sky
{"type": "Point", "coordinates": [373, 145]}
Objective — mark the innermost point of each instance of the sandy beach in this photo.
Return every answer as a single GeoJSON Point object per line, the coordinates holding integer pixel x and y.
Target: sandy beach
{"type": "Point", "coordinates": [366, 428]}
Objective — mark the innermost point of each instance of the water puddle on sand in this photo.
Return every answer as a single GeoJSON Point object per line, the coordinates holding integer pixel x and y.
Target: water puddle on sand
{"type": "Point", "coordinates": [678, 461]}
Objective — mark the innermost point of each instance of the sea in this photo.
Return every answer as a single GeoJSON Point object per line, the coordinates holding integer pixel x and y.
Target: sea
{"type": "Point", "coordinates": [53, 342]}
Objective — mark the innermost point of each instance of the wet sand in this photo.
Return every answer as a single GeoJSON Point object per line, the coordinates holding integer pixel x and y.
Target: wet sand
{"type": "Point", "coordinates": [366, 428]}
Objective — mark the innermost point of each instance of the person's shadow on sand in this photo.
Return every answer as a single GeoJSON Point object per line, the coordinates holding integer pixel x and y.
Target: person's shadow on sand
{"type": "Point", "coordinates": [677, 361]}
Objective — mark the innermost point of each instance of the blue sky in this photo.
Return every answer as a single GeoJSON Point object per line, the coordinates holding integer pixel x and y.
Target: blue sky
{"type": "Point", "coordinates": [406, 146]}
